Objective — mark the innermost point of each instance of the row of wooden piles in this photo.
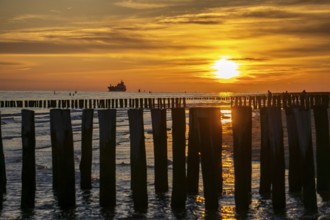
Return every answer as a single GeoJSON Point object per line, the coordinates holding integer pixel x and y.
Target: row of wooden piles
{"type": "Point", "coordinates": [96, 103]}
{"type": "Point", "coordinates": [204, 146]}
{"type": "Point", "coordinates": [283, 100]}
{"type": "Point", "coordinates": [207, 122]}
{"type": "Point", "coordinates": [256, 101]}
{"type": "Point", "coordinates": [298, 111]}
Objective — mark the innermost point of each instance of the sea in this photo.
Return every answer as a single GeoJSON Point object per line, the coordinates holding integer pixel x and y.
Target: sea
{"type": "Point", "coordinates": [159, 207]}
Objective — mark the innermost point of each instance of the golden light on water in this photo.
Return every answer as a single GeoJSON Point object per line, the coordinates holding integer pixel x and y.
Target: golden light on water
{"type": "Point", "coordinates": [226, 117]}
{"type": "Point", "coordinates": [225, 68]}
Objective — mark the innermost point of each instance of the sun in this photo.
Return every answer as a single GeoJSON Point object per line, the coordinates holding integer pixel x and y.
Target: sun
{"type": "Point", "coordinates": [225, 69]}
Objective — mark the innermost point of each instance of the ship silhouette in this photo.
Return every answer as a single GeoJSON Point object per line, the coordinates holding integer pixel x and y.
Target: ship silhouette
{"type": "Point", "coordinates": [120, 87]}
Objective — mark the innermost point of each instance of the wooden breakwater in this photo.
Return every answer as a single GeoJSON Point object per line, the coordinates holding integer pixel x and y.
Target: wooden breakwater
{"type": "Point", "coordinates": [96, 103]}
{"type": "Point", "coordinates": [256, 101]}
{"type": "Point", "coordinates": [204, 149]}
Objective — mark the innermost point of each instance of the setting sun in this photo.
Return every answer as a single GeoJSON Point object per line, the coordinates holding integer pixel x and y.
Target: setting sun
{"type": "Point", "coordinates": [226, 69]}
{"type": "Point", "coordinates": [162, 46]}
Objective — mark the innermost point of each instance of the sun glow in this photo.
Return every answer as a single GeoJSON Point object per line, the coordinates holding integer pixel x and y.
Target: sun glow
{"type": "Point", "coordinates": [225, 69]}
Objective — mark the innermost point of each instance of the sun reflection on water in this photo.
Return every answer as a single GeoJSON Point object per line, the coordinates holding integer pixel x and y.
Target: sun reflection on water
{"type": "Point", "coordinates": [225, 116]}
{"type": "Point", "coordinates": [227, 212]}
{"type": "Point", "coordinates": [227, 209]}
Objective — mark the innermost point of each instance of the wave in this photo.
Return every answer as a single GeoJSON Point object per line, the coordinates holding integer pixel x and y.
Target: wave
{"type": "Point", "coordinates": [7, 120]}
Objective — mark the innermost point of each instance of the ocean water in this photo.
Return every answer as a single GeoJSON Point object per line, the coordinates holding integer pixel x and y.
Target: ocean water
{"type": "Point", "coordinates": [87, 202]}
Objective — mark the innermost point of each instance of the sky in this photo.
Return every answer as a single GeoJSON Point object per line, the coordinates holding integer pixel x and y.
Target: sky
{"type": "Point", "coordinates": [165, 45]}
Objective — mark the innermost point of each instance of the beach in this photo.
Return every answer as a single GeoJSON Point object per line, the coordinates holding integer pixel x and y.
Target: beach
{"type": "Point", "coordinates": [87, 202]}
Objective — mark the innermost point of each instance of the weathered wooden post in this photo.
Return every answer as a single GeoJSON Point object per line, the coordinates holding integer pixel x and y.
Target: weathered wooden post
{"type": "Point", "coordinates": [295, 171]}
{"type": "Point", "coordinates": [141, 102]}
{"type": "Point", "coordinates": [106, 103]}
{"type": "Point", "coordinates": [121, 103]}
{"type": "Point", "coordinates": [179, 192]}
{"type": "Point", "coordinates": [132, 103]}
{"type": "Point", "coordinates": [71, 104]}
{"type": "Point", "coordinates": [138, 159]}
{"type": "Point", "coordinates": [63, 103]}
{"type": "Point", "coordinates": [217, 145]}
{"type": "Point", "coordinates": [136, 105]}
{"type": "Point", "coordinates": [107, 122]}
{"type": "Point", "coordinates": [86, 149]}
{"type": "Point", "coordinates": [54, 156]}
{"type": "Point", "coordinates": [62, 147]}
{"type": "Point", "coordinates": [303, 120]}
{"type": "Point", "coordinates": [101, 103]}
{"type": "Point", "coordinates": [28, 166]}
{"type": "Point", "coordinates": [277, 157]}
{"type": "Point", "coordinates": [159, 132]}
{"type": "Point", "coordinates": [209, 131]}
{"type": "Point", "coordinates": [322, 147]}
{"type": "Point", "coordinates": [146, 103]}
{"type": "Point", "coordinates": [257, 102]}
{"type": "Point", "coordinates": [153, 102]}
{"type": "Point", "coordinates": [81, 103]}
{"type": "Point", "coordinates": [54, 103]}
{"type": "Point", "coordinates": [117, 103]}
{"type": "Point", "coordinates": [90, 103]}
{"type": "Point", "coordinates": [193, 154]}
{"type": "Point", "coordinates": [19, 104]}
{"type": "Point", "coordinates": [265, 154]}
{"type": "Point", "coordinates": [3, 176]}
{"type": "Point", "coordinates": [242, 134]}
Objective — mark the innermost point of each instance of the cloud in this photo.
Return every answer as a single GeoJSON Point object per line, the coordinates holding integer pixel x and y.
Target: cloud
{"type": "Point", "coordinates": [188, 62]}
{"type": "Point", "coordinates": [245, 78]}
{"type": "Point", "coordinates": [203, 18]}
{"type": "Point", "coordinates": [320, 28]}
{"type": "Point", "coordinates": [26, 17]}
{"type": "Point", "coordinates": [227, 15]}
{"type": "Point", "coordinates": [76, 45]}
{"type": "Point", "coordinates": [104, 38]}
{"type": "Point", "coordinates": [183, 7]}
{"type": "Point", "coordinates": [35, 47]}
{"type": "Point", "coordinates": [140, 5]}
{"type": "Point", "coordinates": [36, 18]}
{"type": "Point", "coordinates": [302, 50]}
{"type": "Point", "coordinates": [269, 13]}
{"type": "Point", "coordinates": [4, 63]}
{"type": "Point", "coordinates": [257, 59]}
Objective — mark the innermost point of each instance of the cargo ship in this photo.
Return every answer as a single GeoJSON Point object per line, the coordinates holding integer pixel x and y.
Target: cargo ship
{"type": "Point", "coordinates": [120, 87]}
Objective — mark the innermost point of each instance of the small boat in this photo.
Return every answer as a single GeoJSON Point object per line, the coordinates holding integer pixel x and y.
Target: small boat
{"type": "Point", "coordinates": [120, 87]}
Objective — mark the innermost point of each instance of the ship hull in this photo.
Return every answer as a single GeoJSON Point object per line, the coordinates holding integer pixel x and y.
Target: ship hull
{"type": "Point", "coordinates": [116, 90]}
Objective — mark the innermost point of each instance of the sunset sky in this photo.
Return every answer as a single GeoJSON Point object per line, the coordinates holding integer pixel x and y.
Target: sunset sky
{"type": "Point", "coordinates": [165, 45]}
